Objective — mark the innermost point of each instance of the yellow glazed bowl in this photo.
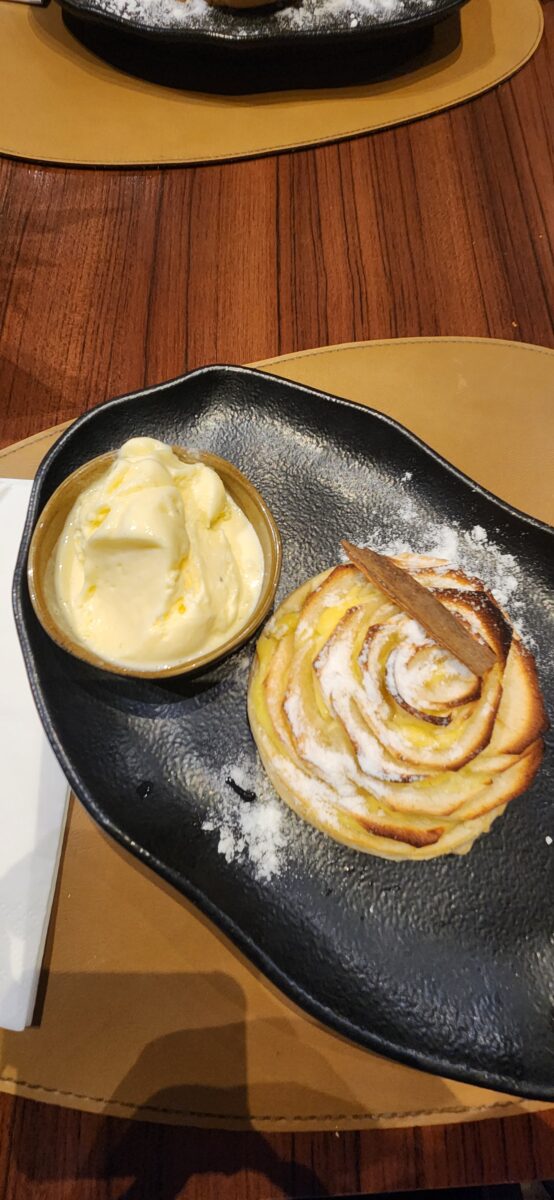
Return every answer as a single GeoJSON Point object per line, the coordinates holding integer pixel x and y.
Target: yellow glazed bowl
{"type": "Point", "coordinates": [40, 567]}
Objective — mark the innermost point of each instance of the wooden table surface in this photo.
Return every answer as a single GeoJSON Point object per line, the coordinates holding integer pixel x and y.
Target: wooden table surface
{"type": "Point", "coordinates": [111, 280]}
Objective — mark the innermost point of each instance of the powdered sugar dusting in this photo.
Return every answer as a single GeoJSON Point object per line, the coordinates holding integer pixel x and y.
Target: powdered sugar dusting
{"type": "Point", "coordinates": [253, 825]}
{"type": "Point", "coordinates": [472, 550]}
{"type": "Point", "coordinates": [279, 18]}
{"type": "Point", "coordinates": [415, 633]}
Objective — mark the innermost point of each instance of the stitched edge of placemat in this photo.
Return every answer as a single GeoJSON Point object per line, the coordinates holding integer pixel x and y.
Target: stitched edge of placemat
{"type": "Point", "coordinates": [517, 1104]}
{"type": "Point", "coordinates": [388, 342]}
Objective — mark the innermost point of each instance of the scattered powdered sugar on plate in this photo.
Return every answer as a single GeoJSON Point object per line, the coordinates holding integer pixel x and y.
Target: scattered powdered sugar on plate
{"type": "Point", "coordinates": [296, 16]}
{"type": "Point", "coordinates": [473, 550]}
{"type": "Point", "coordinates": [311, 12]}
{"type": "Point", "coordinates": [249, 818]}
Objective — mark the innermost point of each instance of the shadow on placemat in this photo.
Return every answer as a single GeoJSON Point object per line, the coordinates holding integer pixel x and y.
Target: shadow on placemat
{"type": "Point", "coordinates": [242, 69]}
{"type": "Point", "coordinates": [157, 1163]}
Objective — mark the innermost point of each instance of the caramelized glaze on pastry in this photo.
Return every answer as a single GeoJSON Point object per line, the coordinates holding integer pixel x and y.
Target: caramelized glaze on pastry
{"type": "Point", "coordinates": [376, 735]}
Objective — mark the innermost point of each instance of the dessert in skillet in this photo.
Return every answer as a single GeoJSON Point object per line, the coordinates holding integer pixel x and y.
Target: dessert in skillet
{"type": "Point", "coordinates": [376, 733]}
{"type": "Point", "coordinates": [156, 562]}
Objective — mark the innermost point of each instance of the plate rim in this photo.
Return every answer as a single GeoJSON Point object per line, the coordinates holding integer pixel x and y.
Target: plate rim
{"type": "Point", "coordinates": [241, 940]}
{"type": "Point", "coordinates": [181, 35]}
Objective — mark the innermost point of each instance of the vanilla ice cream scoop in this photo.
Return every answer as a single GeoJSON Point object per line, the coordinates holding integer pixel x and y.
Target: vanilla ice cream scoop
{"type": "Point", "coordinates": [156, 563]}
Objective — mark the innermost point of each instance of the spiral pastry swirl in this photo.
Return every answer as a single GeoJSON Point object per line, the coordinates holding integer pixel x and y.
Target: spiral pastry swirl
{"type": "Point", "coordinates": [376, 735]}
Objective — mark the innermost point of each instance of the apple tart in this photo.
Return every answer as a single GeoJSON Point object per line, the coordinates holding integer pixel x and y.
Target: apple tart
{"type": "Point", "coordinates": [373, 733]}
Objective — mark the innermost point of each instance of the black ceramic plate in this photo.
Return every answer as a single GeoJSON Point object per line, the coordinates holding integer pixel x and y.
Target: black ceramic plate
{"type": "Point", "coordinates": [304, 43]}
{"type": "Point", "coordinates": [181, 20]}
{"type": "Point", "coordinates": [447, 965]}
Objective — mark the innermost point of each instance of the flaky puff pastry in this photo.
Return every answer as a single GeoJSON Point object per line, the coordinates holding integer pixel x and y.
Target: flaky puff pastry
{"type": "Point", "coordinates": [377, 736]}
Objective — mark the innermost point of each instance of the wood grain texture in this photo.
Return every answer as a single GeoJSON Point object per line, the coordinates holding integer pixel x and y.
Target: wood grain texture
{"type": "Point", "coordinates": [59, 1154]}
{"type": "Point", "coordinates": [110, 280]}
{"type": "Point", "coordinates": [113, 279]}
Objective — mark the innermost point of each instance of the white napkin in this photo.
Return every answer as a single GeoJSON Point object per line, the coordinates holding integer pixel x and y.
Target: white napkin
{"type": "Point", "coordinates": [33, 796]}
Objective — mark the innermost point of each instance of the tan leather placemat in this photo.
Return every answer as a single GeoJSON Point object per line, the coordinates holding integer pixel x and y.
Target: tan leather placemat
{"type": "Point", "coordinates": [59, 103]}
{"type": "Point", "coordinates": [147, 1011]}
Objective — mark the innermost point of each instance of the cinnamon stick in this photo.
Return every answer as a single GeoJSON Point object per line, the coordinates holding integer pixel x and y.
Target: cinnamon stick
{"type": "Point", "coordinates": [416, 600]}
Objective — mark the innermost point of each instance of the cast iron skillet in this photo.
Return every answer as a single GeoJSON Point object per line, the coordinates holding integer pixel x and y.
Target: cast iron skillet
{"type": "Point", "coordinates": [446, 965]}
{"type": "Point", "coordinates": [259, 50]}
